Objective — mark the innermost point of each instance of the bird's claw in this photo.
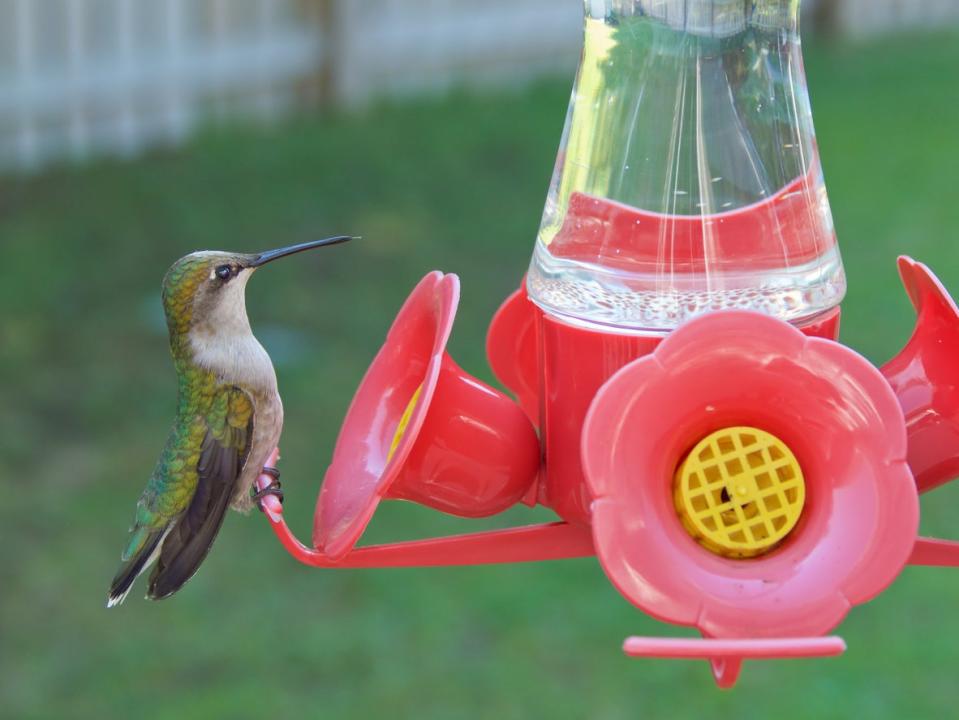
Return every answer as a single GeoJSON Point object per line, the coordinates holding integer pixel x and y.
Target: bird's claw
{"type": "Point", "coordinates": [272, 472]}
{"type": "Point", "coordinates": [274, 488]}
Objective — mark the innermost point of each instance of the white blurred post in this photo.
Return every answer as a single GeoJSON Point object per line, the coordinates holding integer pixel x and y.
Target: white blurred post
{"type": "Point", "coordinates": [266, 92]}
{"type": "Point", "coordinates": [220, 20]}
{"type": "Point", "coordinates": [26, 122]}
{"type": "Point", "coordinates": [175, 113]}
{"type": "Point", "coordinates": [76, 51]}
{"type": "Point", "coordinates": [127, 121]}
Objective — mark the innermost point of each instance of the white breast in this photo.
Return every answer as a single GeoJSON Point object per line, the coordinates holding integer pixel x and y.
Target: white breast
{"type": "Point", "coordinates": [238, 359]}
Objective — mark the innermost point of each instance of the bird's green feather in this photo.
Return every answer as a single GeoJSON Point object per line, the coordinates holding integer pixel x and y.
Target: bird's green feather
{"type": "Point", "coordinates": [224, 412]}
{"type": "Point", "coordinates": [203, 406]}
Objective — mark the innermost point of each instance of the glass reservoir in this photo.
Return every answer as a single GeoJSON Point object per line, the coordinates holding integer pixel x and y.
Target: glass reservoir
{"type": "Point", "coordinates": [688, 177]}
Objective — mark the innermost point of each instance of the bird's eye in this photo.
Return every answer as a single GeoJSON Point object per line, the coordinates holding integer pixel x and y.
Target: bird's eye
{"type": "Point", "coordinates": [224, 272]}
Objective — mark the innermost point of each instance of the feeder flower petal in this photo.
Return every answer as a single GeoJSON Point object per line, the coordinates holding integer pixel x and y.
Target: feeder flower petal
{"type": "Point", "coordinates": [828, 406]}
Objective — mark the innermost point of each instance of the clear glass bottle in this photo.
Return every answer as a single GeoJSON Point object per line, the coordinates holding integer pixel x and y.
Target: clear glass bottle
{"type": "Point", "coordinates": [688, 177]}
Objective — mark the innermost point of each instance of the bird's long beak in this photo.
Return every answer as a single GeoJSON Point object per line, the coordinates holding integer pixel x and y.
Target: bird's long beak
{"type": "Point", "coordinates": [270, 255]}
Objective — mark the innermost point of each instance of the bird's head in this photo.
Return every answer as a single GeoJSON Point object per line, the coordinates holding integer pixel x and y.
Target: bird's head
{"type": "Point", "coordinates": [205, 291]}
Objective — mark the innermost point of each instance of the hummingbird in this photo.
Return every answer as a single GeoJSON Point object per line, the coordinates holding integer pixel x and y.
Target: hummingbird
{"type": "Point", "coordinates": [228, 420]}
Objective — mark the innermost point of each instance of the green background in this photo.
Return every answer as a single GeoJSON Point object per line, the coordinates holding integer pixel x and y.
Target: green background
{"type": "Point", "coordinates": [457, 183]}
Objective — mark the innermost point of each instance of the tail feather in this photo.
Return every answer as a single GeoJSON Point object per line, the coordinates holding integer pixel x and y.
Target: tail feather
{"type": "Point", "coordinates": [185, 549]}
{"type": "Point", "coordinates": [134, 565]}
{"type": "Point", "coordinates": [190, 541]}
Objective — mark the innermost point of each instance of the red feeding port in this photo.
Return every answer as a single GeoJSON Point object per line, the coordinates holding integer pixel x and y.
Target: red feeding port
{"type": "Point", "coordinates": [420, 428]}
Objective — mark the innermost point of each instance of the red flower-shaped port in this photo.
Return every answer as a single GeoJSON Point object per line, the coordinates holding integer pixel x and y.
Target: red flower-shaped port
{"type": "Point", "coordinates": [831, 409]}
{"type": "Point", "coordinates": [924, 375]}
{"type": "Point", "coordinates": [367, 460]}
{"type": "Point", "coordinates": [421, 429]}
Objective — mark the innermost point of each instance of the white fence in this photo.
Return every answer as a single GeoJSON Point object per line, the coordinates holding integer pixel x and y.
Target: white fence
{"type": "Point", "coordinates": [863, 17]}
{"type": "Point", "coordinates": [391, 46]}
{"type": "Point", "coordinates": [83, 77]}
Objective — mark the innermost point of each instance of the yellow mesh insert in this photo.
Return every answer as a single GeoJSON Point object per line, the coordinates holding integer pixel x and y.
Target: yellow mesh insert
{"type": "Point", "coordinates": [740, 492]}
{"type": "Point", "coordinates": [404, 421]}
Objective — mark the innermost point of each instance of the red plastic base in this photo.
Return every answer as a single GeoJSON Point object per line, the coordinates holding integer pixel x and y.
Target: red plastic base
{"type": "Point", "coordinates": [726, 656]}
{"type": "Point", "coordinates": [935, 553]}
{"type": "Point", "coordinates": [557, 371]}
{"type": "Point", "coordinates": [535, 543]}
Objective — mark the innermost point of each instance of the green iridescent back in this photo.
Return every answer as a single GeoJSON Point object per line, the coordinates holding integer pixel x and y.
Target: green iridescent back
{"type": "Point", "coordinates": [204, 407]}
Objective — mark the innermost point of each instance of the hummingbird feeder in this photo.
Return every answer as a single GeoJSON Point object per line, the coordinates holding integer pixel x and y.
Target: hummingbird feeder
{"type": "Point", "coordinates": [682, 402]}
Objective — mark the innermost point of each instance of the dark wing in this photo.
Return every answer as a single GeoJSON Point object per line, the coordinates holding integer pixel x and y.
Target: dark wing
{"type": "Point", "coordinates": [223, 454]}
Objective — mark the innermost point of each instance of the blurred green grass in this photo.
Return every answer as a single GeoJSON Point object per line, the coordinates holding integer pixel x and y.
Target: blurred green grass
{"type": "Point", "coordinates": [457, 184]}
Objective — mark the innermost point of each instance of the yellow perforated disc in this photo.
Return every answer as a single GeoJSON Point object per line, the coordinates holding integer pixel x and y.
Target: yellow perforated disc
{"type": "Point", "coordinates": [740, 492]}
{"type": "Point", "coordinates": [404, 422]}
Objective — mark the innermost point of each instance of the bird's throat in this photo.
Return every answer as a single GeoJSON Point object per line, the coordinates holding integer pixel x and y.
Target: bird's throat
{"type": "Point", "coordinates": [238, 359]}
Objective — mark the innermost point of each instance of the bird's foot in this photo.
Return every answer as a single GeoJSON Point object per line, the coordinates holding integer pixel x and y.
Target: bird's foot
{"type": "Point", "coordinates": [274, 488]}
